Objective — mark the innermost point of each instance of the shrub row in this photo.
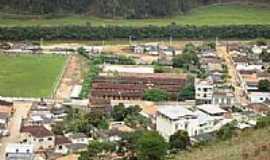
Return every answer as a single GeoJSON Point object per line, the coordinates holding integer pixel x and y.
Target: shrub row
{"type": "Point", "coordinates": [118, 32]}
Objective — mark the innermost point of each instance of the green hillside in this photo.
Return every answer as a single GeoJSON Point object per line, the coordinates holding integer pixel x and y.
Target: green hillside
{"type": "Point", "coordinates": [210, 15]}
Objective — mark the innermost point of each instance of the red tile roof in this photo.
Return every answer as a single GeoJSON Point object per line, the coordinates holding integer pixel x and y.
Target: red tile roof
{"type": "Point", "coordinates": [61, 140]}
{"type": "Point", "coordinates": [37, 131]}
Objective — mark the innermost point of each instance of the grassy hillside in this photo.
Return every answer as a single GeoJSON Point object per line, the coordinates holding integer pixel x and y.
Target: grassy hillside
{"type": "Point", "coordinates": [250, 145]}
{"type": "Point", "coordinates": [211, 15]}
{"type": "Point", "coordinates": [29, 75]}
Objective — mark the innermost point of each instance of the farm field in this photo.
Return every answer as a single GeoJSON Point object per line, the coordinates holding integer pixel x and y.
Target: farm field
{"type": "Point", "coordinates": [249, 145]}
{"type": "Point", "coordinates": [29, 75]}
{"type": "Point", "coordinates": [210, 15]}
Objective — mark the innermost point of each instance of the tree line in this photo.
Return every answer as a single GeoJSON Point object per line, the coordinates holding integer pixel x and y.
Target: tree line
{"type": "Point", "coordinates": [124, 32]}
{"type": "Point", "coordinates": [108, 8]}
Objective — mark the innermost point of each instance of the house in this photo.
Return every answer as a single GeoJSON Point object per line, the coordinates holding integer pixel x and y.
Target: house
{"type": "Point", "coordinates": [259, 97]}
{"type": "Point", "coordinates": [212, 110]}
{"type": "Point", "coordinates": [170, 119]}
{"type": "Point", "coordinates": [61, 144]}
{"type": "Point", "coordinates": [224, 97]}
{"type": "Point", "coordinates": [4, 118]}
{"type": "Point", "coordinates": [204, 91]}
{"type": "Point", "coordinates": [38, 136]}
{"type": "Point", "coordinates": [19, 152]}
{"type": "Point", "coordinates": [78, 138]}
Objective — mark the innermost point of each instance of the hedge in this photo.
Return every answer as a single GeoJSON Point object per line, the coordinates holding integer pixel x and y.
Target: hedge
{"type": "Point", "coordinates": [119, 32]}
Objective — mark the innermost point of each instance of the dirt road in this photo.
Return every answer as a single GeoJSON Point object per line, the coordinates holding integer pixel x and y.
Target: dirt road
{"type": "Point", "coordinates": [234, 79]}
{"type": "Point", "coordinates": [21, 110]}
{"type": "Point", "coordinates": [72, 76]}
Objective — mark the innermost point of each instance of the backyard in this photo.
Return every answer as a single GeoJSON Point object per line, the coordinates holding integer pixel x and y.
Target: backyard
{"type": "Point", "coordinates": [29, 75]}
{"type": "Point", "coordinates": [209, 15]}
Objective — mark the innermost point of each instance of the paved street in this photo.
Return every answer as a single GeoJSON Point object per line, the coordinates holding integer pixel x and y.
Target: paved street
{"type": "Point", "coordinates": [14, 126]}
{"type": "Point", "coordinates": [234, 79]}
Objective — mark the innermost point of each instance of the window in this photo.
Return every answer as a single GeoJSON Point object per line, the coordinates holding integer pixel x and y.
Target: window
{"type": "Point", "coordinates": [27, 151]}
{"type": "Point", "coordinates": [205, 89]}
{"type": "Point", "coordinates": [261, 98]}
{"type": "Point", "coordinates": [17, 150]}
{"type": "Point", "coordinates": [40, 140]}
{"type": "Point", "coordinates": [60, 147]}
{"type": "Point", "coordinates": [50, 138]}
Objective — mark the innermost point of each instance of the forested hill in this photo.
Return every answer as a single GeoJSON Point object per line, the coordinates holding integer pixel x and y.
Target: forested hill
{"type": "Point", "coordinates": [108, 8]}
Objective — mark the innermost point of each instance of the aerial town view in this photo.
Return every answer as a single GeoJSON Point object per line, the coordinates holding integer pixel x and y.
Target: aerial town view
{"type": "Point", "coordinates": [134, 79]}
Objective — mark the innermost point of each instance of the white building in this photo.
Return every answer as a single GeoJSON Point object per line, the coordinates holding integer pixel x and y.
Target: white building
{"type": "Point", "coordinates": [78, 138]}
{"type": "Point", "coordinates": [204, 91]}
{"type": "Point", "coordinates": [19, 152]}
{"type": "Point", "coordinates": [212, 110]}
{"type": "Point", "coordinates": [38, 136]}
{"type": "Point", "coordinates": [259, 97]}
{"type": "Point", "coordinates": [128, 69]}
{"type": "Point", "coordinates": [171, 119]}
{"type": "Point", "coordinates": [61, 145]}
{"type": "Point", "coordinates": [223, 97]}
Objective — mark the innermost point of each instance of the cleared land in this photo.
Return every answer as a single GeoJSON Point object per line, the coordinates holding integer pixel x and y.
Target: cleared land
{"type": "Point", "coordinates": [250, 145]}
{"type": "Point", "coordinates": [29, 75]}
{"type": "Point", "coordinates": [211, 15]}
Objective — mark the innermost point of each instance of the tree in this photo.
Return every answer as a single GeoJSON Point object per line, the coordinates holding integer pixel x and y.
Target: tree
{"type": "Point", "coordinates": [226, 132]}
{"type": "Point", "coordinates": [119, 112]}
{"type": "Point", "coordinates": [264, 85]}
{"type": "Point", "coordinates": [188, 92]}
{"type": "Point", "coordinates": [151, 146]}
{"type": "Point", "coordinates": [95, 149]}
{"type": "Point", "coordinates": [265, 56]}
{"type": "Point", "coordinates": [179, 140]}
{"type": "Point", "coordinates": [156, 95]}
{"type": "Point", "coordinates": [187, 58]}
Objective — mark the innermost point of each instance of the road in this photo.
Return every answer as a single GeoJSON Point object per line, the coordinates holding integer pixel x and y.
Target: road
{"type": "Point", "coordinates": [21, 110]}
{"type": "Point", "coordinates": [234, 79]}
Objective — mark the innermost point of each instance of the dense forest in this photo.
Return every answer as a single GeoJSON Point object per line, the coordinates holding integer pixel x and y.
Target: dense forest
{"type": "Point", "coordinates": [108, 8]}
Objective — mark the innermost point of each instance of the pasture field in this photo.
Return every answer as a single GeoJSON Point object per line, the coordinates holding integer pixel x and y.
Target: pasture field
{"type": "Point", "coordinates": [29, 75]}
{"type": "Point", "coordinates": [210, 15]}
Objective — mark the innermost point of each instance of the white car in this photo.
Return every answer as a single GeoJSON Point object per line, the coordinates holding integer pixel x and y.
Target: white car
{"type": "Point", "coordinates": [4, 132]}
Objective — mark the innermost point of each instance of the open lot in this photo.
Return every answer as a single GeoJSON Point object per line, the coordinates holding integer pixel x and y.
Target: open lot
{"type": "Point", "coordinates": [29, 75]}
{"type": "Point", "coordinates": [250, 145]}
{"type": "Point", "coordinates": [210, 15]}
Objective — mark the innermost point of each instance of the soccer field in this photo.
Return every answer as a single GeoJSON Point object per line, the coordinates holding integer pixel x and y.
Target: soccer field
{"type": "Point", "coordinates": [209, 15]}
{"type": "Point", "coordinates": [29, 75]}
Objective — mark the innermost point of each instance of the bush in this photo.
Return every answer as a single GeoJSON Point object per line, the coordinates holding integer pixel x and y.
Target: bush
{"type": "Point", "coordinates": [156, 95]}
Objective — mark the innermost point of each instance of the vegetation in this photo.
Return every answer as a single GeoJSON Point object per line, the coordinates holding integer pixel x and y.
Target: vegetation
{"type": "Point", "coordinates": [130, 115]}
{"type": "Point", "coordinates": [156, 95]}
{"type": "Point", "coordinates": [250, 144]}
{"type": "Point", "coordinates": [179, 140]}
{"type": "Point", "coordinates": [29, 75]}
{"type": "Point", "coordinates": [263, 122]}
{"type": "Point", "coordinates": [226, 132]}
{"type": "Point", "coordinates": [117, 32]}
{"type": "Point", "coordinates": [96, 150]}
{"type": "Point", "coordinates": [188, 58]}
{"type": "Point", "coordinates": [264, 86]}
{"type": "Point", "coordinates": [151, 146]}
{"type": "Point", "coordinates": [215, 15]}
{"type": "Point", "coordinates": [265, 56]}
{"type": "Point", "coordinates": [78, 121]}
{"type": "Point", "coordinates": [188, 91]}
